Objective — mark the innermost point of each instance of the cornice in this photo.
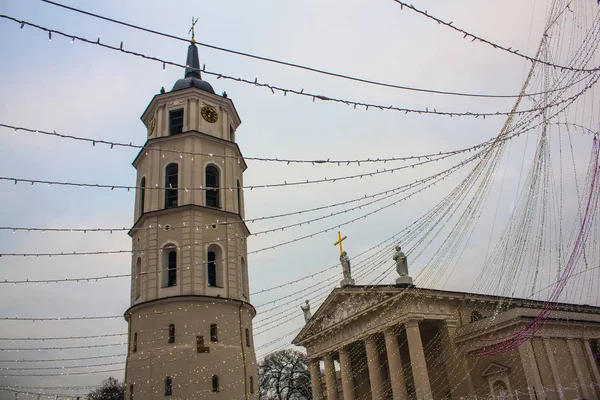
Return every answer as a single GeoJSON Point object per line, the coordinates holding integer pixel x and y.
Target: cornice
{"type": "Point", "coordinates": [186, 134]}
{"type": "Point", "coordinates": [185, 207]}
{"type": "Point", "coordinates": [161, 99]}
{"type": "Point", "coordinates": [188, 297]}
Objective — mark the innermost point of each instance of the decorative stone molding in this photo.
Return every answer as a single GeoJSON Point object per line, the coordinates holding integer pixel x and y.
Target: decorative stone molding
{"type": "Point", "coordinates": [497, 377]}
{"type": "Point", "coordinates": [176, 102]}
{"type": "Point", "coordinates": [347, 308]}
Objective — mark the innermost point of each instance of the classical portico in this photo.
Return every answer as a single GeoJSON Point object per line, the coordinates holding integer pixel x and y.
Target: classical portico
{"type": "Point", "coordinates": [386, 342]}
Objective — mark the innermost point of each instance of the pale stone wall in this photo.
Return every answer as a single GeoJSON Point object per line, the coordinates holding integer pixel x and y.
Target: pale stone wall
{"type": "Point", "coordinates": [191, 172]}
{"type": "Point", "coordinates": [192, 228]}
{"type": "Point", "coordinates": [437, 338]}
{"type": "Point", "coordinates": [155, 358]}
{"type": "Point", "coordinates": [192, 242]}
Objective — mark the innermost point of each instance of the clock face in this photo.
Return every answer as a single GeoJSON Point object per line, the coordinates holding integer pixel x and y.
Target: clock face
{"type": "Point", "coordinates": [209, 114]}
{"type": "Point", "coordinates": [151, 126]}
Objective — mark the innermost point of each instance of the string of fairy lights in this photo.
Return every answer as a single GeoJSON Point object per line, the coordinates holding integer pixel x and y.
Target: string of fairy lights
{"type": "Point", "coordinates": [465, 203]}
{"type": "Point", "coordinates": [138, 250]}
{"type": "Point", "coordinates": [475, 38]}
{"type": "Point", "coordinates": [108, 252]}
{"type": "Point", "coordinates": [248, 187]}
{"type": "Point", "coordinates": [303, 67]}
{"type": "Point", "coordinates": [287, 161]}
{"type": "Point", "coordinates": [286, 91]}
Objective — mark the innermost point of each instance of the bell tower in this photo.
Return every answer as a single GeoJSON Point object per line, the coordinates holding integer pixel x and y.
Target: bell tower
{"type": "Point", "coordinates": [190, 319]}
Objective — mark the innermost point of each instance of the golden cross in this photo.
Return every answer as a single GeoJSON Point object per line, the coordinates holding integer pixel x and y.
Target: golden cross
{"type": "Point", "coordinates": [192, 29]}
{"type": "Point", "coordinates": [339, 241]}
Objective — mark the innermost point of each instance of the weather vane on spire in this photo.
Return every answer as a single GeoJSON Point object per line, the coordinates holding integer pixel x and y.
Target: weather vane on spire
{"type": "Point", "coordinates": [192, 31]}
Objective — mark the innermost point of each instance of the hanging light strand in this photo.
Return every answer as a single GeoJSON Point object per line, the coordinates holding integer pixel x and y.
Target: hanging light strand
{"type": "Point", "coordinates": [473, 37]}
{"type": "Point", "coordinates": [288, 64]}
{"type": "Point", "coordinates": [340, 162]}
{"type": "Point", "coordinates": [302, 92]}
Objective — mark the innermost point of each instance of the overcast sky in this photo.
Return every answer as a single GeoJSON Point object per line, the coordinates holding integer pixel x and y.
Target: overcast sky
{"type": "Point", "coordinates": [84, 90]}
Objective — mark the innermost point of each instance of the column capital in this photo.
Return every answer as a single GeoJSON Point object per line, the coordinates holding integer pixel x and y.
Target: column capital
{"type": "Point", "coordinates": [370, 339]}
{"type": "Point", "coordinates": [343, 349]}
{"type": "Point", "coordinates": [314, 360]}
{"type": "Point", "coordinates": [451, 323]}
{"type": "Point", "coordinates": [409, 323]}
{"type": "Point", "coordinates": [390, 330]}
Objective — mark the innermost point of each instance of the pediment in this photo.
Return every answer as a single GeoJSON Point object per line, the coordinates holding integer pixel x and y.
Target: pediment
{"type": "Point", "coordinates": [494, 369]}
{"type": "Point", "coordinates": [342, 306]}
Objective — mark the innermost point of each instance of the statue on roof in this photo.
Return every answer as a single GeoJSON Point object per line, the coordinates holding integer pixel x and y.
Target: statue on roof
{"type": "Point", "coordinates": [306, 310]}
{"type": "Point", "coordinates": [346, 271]}
{"type": "Point", "coordinates": [401, 262]}
{"type": "Point", "coordinates": [345, 261]}
{"type": "Point", "coordinates": [404, 279]}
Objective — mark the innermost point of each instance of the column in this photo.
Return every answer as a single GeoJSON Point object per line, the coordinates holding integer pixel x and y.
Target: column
{"type": "Point", "coordinates": [532, 374]}
{"type": "Point", "coordinates": [576, 355]}
{"type": "Point", "coordinates": [554, 368]}
{"type": "Point", "coordinates": [457, 368]}
{"type": "Point", "coordinates": [193, 114]}
{"type": "Point", "coordinates": [330, 378]}
{"type": "Point", "coordinates": [315, 379]}
{"type": "Point", "coordinates": [161, 127]}
{"type": "Point", "coordinates": [395, 364]}
{"type": "Point", "coordinates": [186, 116]}
{"type": "Point", "coordinates": [374, 369]}
{"type": "Point", "coordinates": [593, 366]}
{"type": "Point", "coordinates": [346, 370]}
{"type": "Point", "coordinates": [417, 360]}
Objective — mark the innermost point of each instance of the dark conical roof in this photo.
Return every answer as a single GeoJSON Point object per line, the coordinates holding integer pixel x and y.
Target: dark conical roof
{"type": "Point", "coordinates": [192, 73]}
{"type": "Point", "coordinates": [192, 69]}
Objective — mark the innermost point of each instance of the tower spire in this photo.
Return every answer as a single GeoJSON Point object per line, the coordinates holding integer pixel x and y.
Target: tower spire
{"type": "Point", "coordinates": [192, 69]}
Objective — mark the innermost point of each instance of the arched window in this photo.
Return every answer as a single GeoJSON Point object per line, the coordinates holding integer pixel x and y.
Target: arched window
{"type": "Point", "coordinates": [171, 180]}
{"type": "Point", "coordinates": [212, 186]}
{"type": "Point", "coordinates": [251, 385]}
{"type": "Point", "coordinates": [212, 268]}
{"type": "Point", "coordinates": [214, 333]}
{"type": "Point", "coordinates": [135, 342]}
{"type": "Point", "coordinates": [169, 265]}
{"type": "Point", "coordinates": [247, 337]}
{"type": "Point", "coordinates": [131, 392]}
{"type": "Point", "coordinates": [244, 277]}
{"type": "Point", "coordinates": [168, 386]}
{"type": "Point", "coordinates": [476, 316]}
{"type": "Point", "coordinates": [172, 333]}
{"type": "Point", "coordinates": [215, 383]}
{"type": "Point", "coordinates": [137, 288]}
{"type": "Point", "coordinates": [142, 194]}
{"type": "Point", "coordinates": [500, 390]}
{"type": "Point", "coordinates": [214, 263]}
{"type": "Point", "coordinates": [239, 197]}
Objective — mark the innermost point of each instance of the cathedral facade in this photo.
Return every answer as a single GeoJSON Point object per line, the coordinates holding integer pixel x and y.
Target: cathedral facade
{"type": "Point", "coordinates": [190, 320]}
{"type": "Point", "coordinates": [404, 342]}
